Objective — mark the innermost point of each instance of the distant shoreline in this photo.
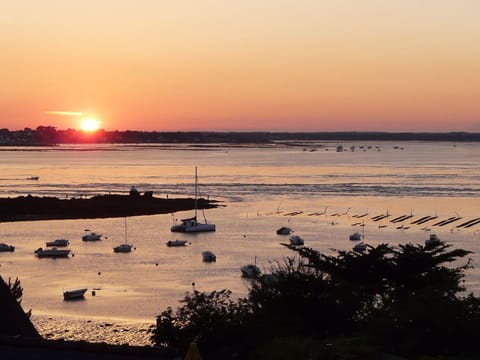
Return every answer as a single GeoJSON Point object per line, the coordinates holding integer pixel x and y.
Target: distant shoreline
{"type": "Point", "coordinates": [33, 208]}
{"type": "Point", "coordinates": [50, 136]}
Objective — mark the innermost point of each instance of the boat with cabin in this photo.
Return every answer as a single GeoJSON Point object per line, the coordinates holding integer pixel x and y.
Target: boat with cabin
{"type": "Point", "coordinates": [52, 253]}
{"type": "Point", "coordinates": [432, 240]}
{"type": "Point", "coordinates": [284, 230]}
{"type": "Point", "coordinates": [125, 247]}
{"type": "Point", "coordinates": [58, 243]}
{"type": "Point", "coordinates": [250, 271]}
{"type": "Point", "coordinates": [360, 247]}
{"type": "Point", "coordinates": [296, 240]}
{"type": "Point", "coordinates": [74, 294]}
{"type": "Point", "coordinates": [6, 248]}
{"type": "Point", "coordinates": [91, 236]}
{"type": "Point", "coordinates": [356, 236]}
{"type": "Point", "coordinates": [192, 225]}
{"type": "Point", "coordinates": [209, 256]}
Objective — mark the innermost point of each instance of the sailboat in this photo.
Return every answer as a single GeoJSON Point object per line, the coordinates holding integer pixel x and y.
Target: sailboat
{"type": "Point", "coordinates": [125, 247]}
{"type": "Point", "coordinates": [191, 225]}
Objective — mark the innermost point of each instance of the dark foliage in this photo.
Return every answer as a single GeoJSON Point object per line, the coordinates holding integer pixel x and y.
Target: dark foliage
{"type": "Point", "coordinates": [406, 300]}
{"type": "Point", "coordinates": [213, 320]}
{"type": "Point", "coordinates": [16, 290]}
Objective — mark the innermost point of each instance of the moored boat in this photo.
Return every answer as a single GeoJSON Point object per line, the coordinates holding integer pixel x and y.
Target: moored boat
{"type": "Point", "coordinates": [209, 256]}
{"type": "Point", "coordinates": [74, 294]}
{"type": "Point", "coordinates": [432, 240]}
{"type": "Point", "coordinates": [123, 248]}
{"type": "Point", "coordinates": [58, 242]}
{"type": "Point", "coordinates": [177, 242]}
{"type": "Point", "coordinates": [296, 240]}
{"type": "Point", "coordinates": [52, 253]}
{"type": "Point", "coordinates": [284, 231]}
{"type": "Point", "coordinates": [360, 247]}
{"type": "Point", "coordinates": [192, 225]}
{"type": "Point", "coordinates": [91, 236]}
{"type": "Point", "coordinates": [356, 236]}
{"type": "Point", "coordinates": [6, 247]}
{"type": "Point", "coordinates": [250, 271]}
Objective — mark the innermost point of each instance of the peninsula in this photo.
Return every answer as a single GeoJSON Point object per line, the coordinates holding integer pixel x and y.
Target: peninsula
{"type": "Point", "coordinates": [29, 208]}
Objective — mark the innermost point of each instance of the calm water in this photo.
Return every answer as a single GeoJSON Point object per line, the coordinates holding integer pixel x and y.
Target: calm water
{"type": "Point", "coordinates": [261, 188]}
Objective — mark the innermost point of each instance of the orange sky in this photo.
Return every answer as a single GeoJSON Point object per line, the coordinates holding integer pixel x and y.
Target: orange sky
{"type": "Point", "coordinates": [277, 65]}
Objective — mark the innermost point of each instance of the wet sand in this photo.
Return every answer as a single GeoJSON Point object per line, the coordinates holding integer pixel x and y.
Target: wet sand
{"type": "Point", "coordinates": [92, 331]}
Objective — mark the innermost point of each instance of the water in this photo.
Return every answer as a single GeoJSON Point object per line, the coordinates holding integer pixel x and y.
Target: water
{"type": "Point", "coordinates": [257, 186]}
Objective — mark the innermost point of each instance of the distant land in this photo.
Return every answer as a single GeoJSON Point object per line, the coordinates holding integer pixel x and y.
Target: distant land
{"type": "Point", "coordinates": [49, 135]}
{"type": "Point", "coordinates": [30, 208]}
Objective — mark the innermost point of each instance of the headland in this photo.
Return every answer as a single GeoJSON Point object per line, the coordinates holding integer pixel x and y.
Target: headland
{"type": "Point", "coordinates": [30, 208]}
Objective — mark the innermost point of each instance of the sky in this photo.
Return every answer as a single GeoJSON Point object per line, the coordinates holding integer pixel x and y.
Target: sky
{"type": "Point", "coordinates": [250, 65]}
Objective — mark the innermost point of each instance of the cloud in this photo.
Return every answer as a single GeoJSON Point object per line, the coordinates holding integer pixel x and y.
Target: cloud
{"type": "Point", "coordinates": [64, 113]}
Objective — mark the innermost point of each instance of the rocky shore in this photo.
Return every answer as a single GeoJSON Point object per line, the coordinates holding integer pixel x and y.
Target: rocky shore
{"type": "Point", "coordinates": [29, 208]}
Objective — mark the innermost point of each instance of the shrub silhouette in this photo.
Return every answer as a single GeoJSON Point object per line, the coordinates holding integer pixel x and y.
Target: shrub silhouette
{"type": "Point", "coordinates": [407, 299]}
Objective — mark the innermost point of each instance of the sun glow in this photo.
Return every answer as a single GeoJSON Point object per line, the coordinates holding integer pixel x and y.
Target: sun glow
{"type": "Point", "coordinates": [90, 124]}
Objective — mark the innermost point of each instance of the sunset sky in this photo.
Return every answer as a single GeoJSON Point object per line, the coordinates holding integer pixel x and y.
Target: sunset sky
{"type": "Point", "coordinates": [276, 65]}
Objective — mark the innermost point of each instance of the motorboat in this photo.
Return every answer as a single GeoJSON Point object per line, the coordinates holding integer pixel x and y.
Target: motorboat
{"type": "Point", "coordinates": [209, 256]}
{"type": "Point", "coordinates": [432, 240]}
{"type": "Point", "coordinates": [58, 243]}
{"type": "Point", "coordinates": [360, 247]}
{"type": "Point", "coordinates": [192, 225]}
{"type": "Point", "coordinates": [33, 178]}
{"type": "Point", "coordinates": [296, 240]}
{"type": "Point", "coordinates": [284, 231]}
{"type": "Point", "coordinates": [356, 236]}
{"type": "Point", "coordinates": [52, 253]}
{"type": "Point", "coordinates": [91, 236]}
{"type": "Point", "coordinates": [250, 271]}
{"type": "Point", "coordinates": [177, 243]}
{"type": "Point", "coordinates": [6, 247]}
{"type": "Point", "coordinates": [74, 294]}
{"type": "Point", "coordinates": [125, 247]}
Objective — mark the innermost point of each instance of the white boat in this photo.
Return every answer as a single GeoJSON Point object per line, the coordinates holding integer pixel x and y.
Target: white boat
{"type": "Point", "coordinates": [284, 231]}
{"type": "Point", "coordinates": [6, 247]}
{"type": "Point", "coordinates": [177, 242]}
{"type": "Point", "coordinates": [192, 225]}
{"type": "Point", "coordinates": [356, 236]}
{"type": "Point", "coordinates": [360, 247]}
{"type": "Point", "coordinates": [296, 240]}
{"type": "Point", "coordinates": [209, 256]}
{"type": "Point", "coordinates": [432, 240]}
{"type": "Point", "coordinates": [52, 253]}
{"type": "Point", "coordinates": [58, 242]}
{"type": "Point", "coordinates": [91, 236]}
{"type": "Point", "coordinates": [125, 247]}
{"type": "Point", "coordinates": [74, 294]}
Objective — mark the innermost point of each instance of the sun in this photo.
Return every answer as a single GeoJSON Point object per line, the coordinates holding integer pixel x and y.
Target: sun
{"type": "Point", "coordinates": [90, 124]}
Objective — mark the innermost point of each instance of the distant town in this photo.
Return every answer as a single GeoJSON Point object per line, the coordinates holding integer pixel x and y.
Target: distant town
{"type": "Point", "coordinates": [49, 135]}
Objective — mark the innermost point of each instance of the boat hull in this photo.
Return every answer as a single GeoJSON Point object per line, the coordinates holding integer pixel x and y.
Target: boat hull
{"type": "Point", "coordinates": [74, 294]}
{"type": "Point", "coordinates": [52, 253]}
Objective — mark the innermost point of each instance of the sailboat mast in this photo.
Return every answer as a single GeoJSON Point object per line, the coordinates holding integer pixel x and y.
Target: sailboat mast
{"type": "Point", "coordinates": [196, 189]}
{"type": "Point", "coordinates": [125, 230]}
